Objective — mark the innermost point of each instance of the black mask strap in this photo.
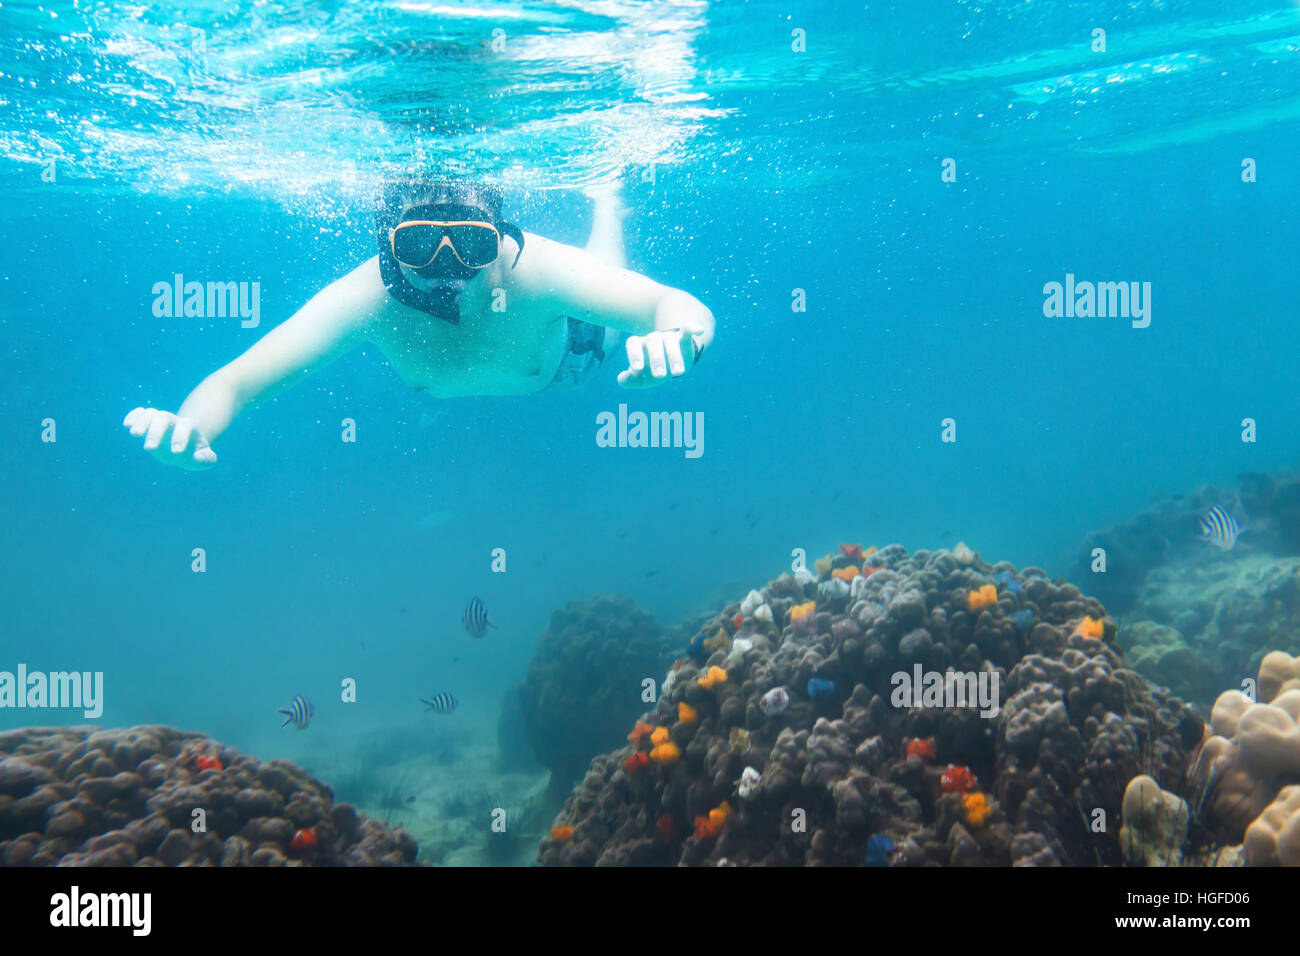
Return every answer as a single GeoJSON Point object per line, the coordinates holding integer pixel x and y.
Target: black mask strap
{"type": "Point", "coordinates": [515, 233]}
{"type": "Point", "coordinates": [441, 302]}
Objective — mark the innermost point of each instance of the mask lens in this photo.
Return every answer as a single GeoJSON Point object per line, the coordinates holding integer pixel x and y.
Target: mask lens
{"type": "Point", "coordinates": [475, 244]}
{"type": "Point", "coordinates": [414, 245]}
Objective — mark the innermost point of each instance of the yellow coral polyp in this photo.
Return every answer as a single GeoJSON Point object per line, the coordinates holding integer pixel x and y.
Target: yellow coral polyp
{"type": "Point", "coordinates": [659, 736]}
{"type": "Point", "coordinates": [976, 807]}
{"type": "Point", "coordinates": [718, 815]}
{"type": "Point", "coordinates": [715, 676]}
{"type": "Point", "coordinates": [1090, 627]}
{"type": "Point", "coordinates": [846, 574]}
{"type": "Point", "coordinates": [687, 714]}
{"type": "Point", "coordinates": [978, 600]}
{"type": "Point", "coordinates": [802, 610]}
{"type": "Point", "coordinates": [666, 753]}
{"type": "Point", "coordinates": [721, 639]}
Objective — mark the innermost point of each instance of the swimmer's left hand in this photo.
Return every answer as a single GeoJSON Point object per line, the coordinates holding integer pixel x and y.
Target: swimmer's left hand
{"type": "Point", "coordinates": [653, 358]}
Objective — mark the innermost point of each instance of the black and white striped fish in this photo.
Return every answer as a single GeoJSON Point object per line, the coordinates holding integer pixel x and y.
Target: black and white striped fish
{"type": "Point", "coordinates": [439, 703]}
{"type": "Point", "coordinates": [1220, 528]}
{"type": "Point", "coordinates": [299, 713]}
{"type": "Point", "coordinates": [476, 618]}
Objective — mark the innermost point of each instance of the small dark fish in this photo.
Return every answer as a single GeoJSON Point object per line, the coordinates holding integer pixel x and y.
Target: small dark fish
{"type": "Point", "coordinates": [299, 713]}
{"type": "Point", "coordinates": [476, 618]}
{"type": "Point", "coordinates": [440, 703]}
{"type": "Point", "coordinates": [621, 535]}
{"type": "Point", "coordinates": [715, 531]}
{"type": "Point", "coordinates": [455, 660]}
{"type": "Point", "coordinates": [651, 574]}
{"type": "Point", "coordinates": [411, 798]}
{"type": "Point", "coordinates": [1219, 528]}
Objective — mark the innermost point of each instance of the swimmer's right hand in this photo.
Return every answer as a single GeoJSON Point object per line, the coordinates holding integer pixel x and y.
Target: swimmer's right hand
{"type": "Point", "coordinates": [185, 448]}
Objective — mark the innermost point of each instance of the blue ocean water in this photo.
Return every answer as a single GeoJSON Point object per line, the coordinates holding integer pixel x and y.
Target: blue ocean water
{"type": "Point", "coordinates": [244, 142]}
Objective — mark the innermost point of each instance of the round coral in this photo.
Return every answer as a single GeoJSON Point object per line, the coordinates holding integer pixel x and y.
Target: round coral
{"type": "Point", "coordinates": [1274, 838]}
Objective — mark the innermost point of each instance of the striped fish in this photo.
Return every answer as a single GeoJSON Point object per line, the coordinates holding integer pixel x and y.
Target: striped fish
{"type": "Point", "coordinates": [439, 703]}
{"type": "Point", "coordinates": [476, 618]}
{"type": "Point", "coordinates": [299, 713]}
{"type": "Point", "coordinates": [1219, 528]}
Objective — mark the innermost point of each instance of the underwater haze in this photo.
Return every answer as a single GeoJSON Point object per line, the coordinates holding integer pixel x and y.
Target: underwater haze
{"type": "Point", "coordinates": [871, 199]}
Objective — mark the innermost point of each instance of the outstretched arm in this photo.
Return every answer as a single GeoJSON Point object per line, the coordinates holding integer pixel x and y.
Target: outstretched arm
{"type": "Point", "coordinates": [329, 325]}
{"type": "Point", "coordinates": [669, 328]}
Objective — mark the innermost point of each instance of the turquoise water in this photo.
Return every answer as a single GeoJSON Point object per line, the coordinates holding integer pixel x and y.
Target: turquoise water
{"type": "Point", "coordinates": [243, 142]}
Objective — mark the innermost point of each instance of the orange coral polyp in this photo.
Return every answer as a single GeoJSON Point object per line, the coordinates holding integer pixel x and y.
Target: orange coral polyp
{"type": "Point", "coordinates": [851, 551]}
{"type": "Point", "coordinates": [921, 747]}
{"type": "Point", "coordinates": [846, 574]}
{"type": "Point", "coordinates": [638, 732]}
{"type": "Point", "coordinates": [718, 815]}
{"type": "Point", "coordinates": [666, 753]}
{"type": "Point", "coordinates": [561, 834]}
{"type": "Point", "coordinates": [984, 597]}
{"type": "Point", "coordinates": [976, 807]}
{"type": "Point", "coordinates": [957, 780]}
{"type": "Point", "coordinates": [715, 676]}
{"type": "Point", "coordinates": [802, 610]}
{"type": "Point", "coordinates": [1090, 627]}
{"type": "Point", "coordinates": [659, 735]}
{"type": "Point", "coordinates": [705, 829]}
{"type": "Point", "coordinates": [687, 714]}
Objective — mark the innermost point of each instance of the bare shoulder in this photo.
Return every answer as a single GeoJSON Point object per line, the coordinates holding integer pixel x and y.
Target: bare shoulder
{"type": "Point", "coordinates": [543, 260]}
{"type": "Point", "coordinates": [365, 282]}
{"type": "Point", "coordinates": [361, 293]}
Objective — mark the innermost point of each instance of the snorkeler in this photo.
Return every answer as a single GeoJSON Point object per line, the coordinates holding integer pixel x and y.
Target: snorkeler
{"type": "Point", "coordinates": [462, 303]}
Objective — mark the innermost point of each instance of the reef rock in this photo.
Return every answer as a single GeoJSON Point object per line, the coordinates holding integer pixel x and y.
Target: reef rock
{"type": "Point", "coordinates": [579, 697]}
{"type": "Point", "coordinates": [1196, 625]}
{"type": "Point", "coordinates": [78, 797]}
{"type": "Point", "coordinates": [1067, 726]}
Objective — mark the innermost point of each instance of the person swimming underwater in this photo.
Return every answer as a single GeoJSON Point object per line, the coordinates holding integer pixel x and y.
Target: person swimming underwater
{"type": "Point", "coordinates": [461, 303]}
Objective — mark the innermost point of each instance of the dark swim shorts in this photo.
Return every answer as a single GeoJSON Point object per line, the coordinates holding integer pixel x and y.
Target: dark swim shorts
{"type": "Point", "coordinates": [588, 348]}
